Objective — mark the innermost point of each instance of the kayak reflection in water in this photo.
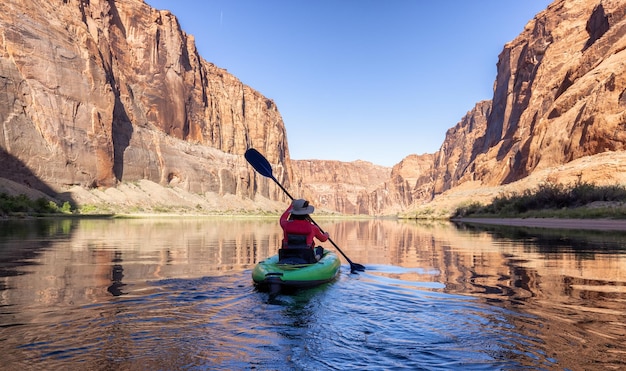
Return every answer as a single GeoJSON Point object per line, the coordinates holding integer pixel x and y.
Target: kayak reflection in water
{"type": "Point", "coordinates": [299, 233]}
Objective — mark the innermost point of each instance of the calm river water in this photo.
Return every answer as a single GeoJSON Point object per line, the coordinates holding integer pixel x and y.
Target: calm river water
{"type": "Point", "coordinates": [176, 294]}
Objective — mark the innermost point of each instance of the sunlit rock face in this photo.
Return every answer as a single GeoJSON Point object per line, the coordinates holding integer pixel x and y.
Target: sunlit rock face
{"type": "Point", "coordinates": [559, 96]}
{"type": "Point", "coordinates": [345, 187]}
{"type": "Point", "coordinates": [559, 92]}
{"type": "Point", "coordinates": [98, 92]}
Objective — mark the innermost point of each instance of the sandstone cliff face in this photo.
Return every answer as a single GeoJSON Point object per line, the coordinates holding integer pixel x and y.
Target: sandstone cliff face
{"type": "Point", "coordinates": [99, 92]}
{"type": "Point", "coordinates": [345, 187]}
{"type": "Point", "coordinates": [559, 96]}
{"type": "Point", "coordinates": [454, 162]}
{"type": "Point", "coordinates": [559, 90]}
{"type": "Point", "coordinates": [411, 181]}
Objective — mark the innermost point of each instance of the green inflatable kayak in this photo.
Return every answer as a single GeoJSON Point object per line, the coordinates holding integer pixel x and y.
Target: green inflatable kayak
{"type": "Point", "coordinates": [278, 273]}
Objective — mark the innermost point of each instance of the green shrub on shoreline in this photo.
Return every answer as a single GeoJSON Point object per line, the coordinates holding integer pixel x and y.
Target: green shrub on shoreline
{"type": "Point", "coordinates": [553, 200]}
{"type": "Point", "coordinates": [24, 205]}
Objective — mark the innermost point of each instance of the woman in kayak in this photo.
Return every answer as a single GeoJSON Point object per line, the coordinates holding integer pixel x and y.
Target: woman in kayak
{"type": "Point", "coordinates": [298, 230]}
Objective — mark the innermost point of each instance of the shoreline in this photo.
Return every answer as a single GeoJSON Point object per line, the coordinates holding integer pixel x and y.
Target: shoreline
{"type": "Point", "coordinates": [547, 223]}
{"type": "Point", "coordinates": [551, 223]}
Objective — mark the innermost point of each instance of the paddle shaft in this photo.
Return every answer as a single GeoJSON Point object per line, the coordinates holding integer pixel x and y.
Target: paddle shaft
{"type": "Point", "coordinates": [261, 165]}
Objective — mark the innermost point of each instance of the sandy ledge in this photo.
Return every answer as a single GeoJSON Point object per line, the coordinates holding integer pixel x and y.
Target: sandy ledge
{"type": "Point", "coordinates": [591, 224]}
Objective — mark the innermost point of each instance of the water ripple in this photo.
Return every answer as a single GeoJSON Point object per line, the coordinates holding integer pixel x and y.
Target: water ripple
{"type": "Point", "coordinates": [366, 321]}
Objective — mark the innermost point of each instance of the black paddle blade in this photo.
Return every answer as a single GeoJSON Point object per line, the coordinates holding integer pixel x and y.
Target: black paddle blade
{"type": "Point", "coordinates": [356, 267]}
{"type": "Point", "coordinates": [259, 162]}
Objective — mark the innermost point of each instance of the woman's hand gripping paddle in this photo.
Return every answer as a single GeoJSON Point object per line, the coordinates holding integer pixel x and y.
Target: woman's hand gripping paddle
{"type": "Point", "coordinates": [263, 167]}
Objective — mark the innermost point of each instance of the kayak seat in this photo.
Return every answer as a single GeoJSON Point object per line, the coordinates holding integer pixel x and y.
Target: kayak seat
{"type": "Point", "coordinates": [296, 256]}
{"type": "Point", "coordinates": [297, 241]}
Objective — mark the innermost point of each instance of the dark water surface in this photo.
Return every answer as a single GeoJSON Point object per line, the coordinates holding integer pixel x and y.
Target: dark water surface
{"type": "Point", "coordinates": [176, 294]}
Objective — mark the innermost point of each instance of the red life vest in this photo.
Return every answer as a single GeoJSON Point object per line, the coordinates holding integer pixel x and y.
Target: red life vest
{"type": "Point", "coordinates": [298, 233]}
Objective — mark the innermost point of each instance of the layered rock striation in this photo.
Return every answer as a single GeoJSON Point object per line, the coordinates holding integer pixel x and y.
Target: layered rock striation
{"type": "Point", "coordinates": [346, 187]}
{"type": "Point", "coordinates": [559, 96]}
{"type": "Point", "coordinates": [559, 91]}
{"type": "Point", "coordinates": [94, 93]}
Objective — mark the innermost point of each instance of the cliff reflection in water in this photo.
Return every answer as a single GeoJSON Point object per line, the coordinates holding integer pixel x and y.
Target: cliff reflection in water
{"type": "Point", "coordinates": [573, 283]}
{"type": "Point", "coordinates": [500, 263]}
{"type": "Point", "coordinates": [76, 261]}
{"type": "Point", "coordinates": [566, 288]}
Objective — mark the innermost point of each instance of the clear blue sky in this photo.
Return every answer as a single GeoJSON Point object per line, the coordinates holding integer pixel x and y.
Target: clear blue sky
{"type": "Point", "coordinates": [360, 79]}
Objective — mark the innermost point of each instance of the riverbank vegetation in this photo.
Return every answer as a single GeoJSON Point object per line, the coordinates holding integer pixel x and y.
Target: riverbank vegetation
{"type": "Point", "coordinates": [579, 200]}
{"type": "Point", "coordinates": [21, 204]}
